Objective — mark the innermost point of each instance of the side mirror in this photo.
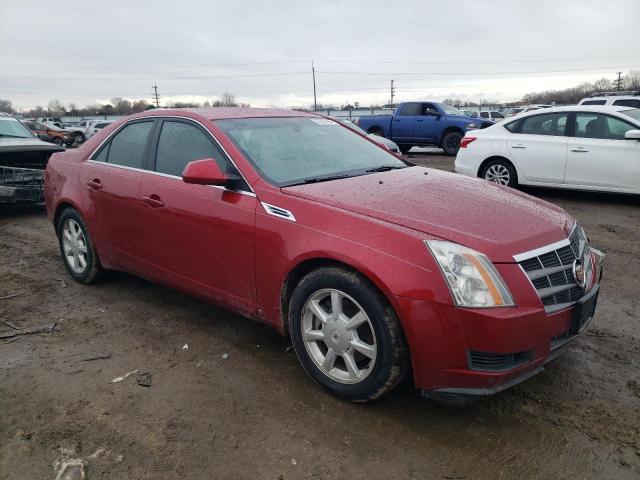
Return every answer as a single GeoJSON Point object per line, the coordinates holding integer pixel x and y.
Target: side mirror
{"type": "Point", "coordinates": [205, 172]}
{"type": "Point", "coordinates": [632, 135]}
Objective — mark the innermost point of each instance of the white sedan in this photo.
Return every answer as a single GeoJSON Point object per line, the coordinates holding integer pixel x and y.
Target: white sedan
{"type": "Point", "coordinates": [578, 147]}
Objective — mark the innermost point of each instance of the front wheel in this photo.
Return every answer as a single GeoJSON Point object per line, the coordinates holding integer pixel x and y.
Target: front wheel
{"type": "Point", "coordinates": [78, 137]}
{"type": "Point", "coordinates": [346, 335]}
{"type": "Point", "coordinates": [500, 172]}
{"type": "Point", "coordinates": [57, 141]}
{"type": "Point", "coordinates": [451, 143]}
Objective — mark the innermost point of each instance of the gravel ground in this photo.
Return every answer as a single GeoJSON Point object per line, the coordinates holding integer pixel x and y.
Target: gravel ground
{"type": "Point", "coordinates": [215, 395]}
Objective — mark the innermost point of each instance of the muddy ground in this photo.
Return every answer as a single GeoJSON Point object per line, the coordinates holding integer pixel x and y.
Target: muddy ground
{"type": "Point", "coordinates": [227, 398]}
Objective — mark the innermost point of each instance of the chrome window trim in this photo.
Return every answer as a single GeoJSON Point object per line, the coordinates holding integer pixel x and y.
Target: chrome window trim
{"type": "Point", "coordinates": [160, 174]}
{"type": "Point", "coordinates": [154, 117]}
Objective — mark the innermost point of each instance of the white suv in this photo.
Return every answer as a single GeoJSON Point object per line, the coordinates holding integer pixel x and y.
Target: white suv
{"type": "Point", "coordinates": [622, 99]}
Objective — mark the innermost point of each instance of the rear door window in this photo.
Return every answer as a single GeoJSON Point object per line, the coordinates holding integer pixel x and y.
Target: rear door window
{"type": "Point", "coordinates": [410, 109]}
{"type": "Point", "coordinates": [594, 102]}
{"type": "Point", "coordinates": [552, 124]}
{"type": "Point", "coordinates": [128, 146]}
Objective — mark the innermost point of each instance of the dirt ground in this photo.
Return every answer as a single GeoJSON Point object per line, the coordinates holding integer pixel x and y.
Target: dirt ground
{"type": "Point", "coordinates": [227, 398]}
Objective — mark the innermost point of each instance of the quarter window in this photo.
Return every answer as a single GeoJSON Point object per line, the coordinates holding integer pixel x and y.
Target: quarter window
{"type": "Point", "coordinates": [628, 102]}
{"type": "Point", "coordinates": [128, 146]}
{"type": "Point", "coordinates": [181, 143]}
{"type": "Point", "coordinates": [596, 125]}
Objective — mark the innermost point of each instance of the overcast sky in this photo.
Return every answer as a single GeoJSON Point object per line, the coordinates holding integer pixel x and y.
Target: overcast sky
{"type": "Point", "coordinates": [88, 52]}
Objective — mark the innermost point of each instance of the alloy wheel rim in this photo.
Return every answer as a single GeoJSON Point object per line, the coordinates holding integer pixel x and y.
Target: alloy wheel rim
{"type": "Point", "coordinates": [339, 336]}
{"type": "Point", "coordinates": [74, 245]}
{"type": "Point", "coordinates": [498, 174]}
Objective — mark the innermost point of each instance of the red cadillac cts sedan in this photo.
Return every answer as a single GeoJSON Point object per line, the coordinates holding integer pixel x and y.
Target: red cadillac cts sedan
{"type": "Point", "coordinates": [375, 268]}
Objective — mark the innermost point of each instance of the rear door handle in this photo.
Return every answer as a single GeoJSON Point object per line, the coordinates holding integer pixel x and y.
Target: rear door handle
{"type": "Point", "coordinates": [153, 201]}
{"type": "Point", "coordinates": [579, 150]}
{"type": "Point", "coordinates": [518, 146]}
{"type": "Point", "coordinates": [95, 184]}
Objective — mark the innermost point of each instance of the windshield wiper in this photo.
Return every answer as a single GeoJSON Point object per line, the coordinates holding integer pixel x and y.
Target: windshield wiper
{"type": "Point", "coordinates": [324, 179]}
{"type": "Point", "coordinates": [384, 168]}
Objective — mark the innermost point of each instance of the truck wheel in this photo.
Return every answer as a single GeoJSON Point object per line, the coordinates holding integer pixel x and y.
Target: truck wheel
{"type": "Point", "coordinates": [57, 141]}
{"type": "Point", "coordinates": [78, 137]}
{"type": "Point", "coordinates": [376, 131]}
{"type": "Point", "coordinates": [451, 143]}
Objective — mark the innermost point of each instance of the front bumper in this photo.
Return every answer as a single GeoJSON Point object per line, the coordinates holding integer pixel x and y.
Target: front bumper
{"type": "Point", "coordinates": [445, 340]}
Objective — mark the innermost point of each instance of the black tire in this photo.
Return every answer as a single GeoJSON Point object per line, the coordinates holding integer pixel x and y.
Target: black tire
{"type": "Point", "coordinates": [500, 171]}
{"type": "Point", "coordinates": [92, 268]}
{"type": "Point", "coordinates": [390, 364]}
{"type": "Point", "coordinates": [376, 131]}
{"type": "Point", "coordinates": [57, 141]}
{"type": "Point", "coordinates": [78, 137]}
{"type": "Point", "coordinates": [451, 143]}
{"type": "Point", "coordinates": [404, 149]}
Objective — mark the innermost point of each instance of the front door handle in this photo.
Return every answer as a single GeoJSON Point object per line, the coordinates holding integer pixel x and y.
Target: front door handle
{"type": "Point", "coordinates": [579, 150]}
{"type": "Point", "coordinates": [153, 201]}
{"type": "Point", "coordinates": [518, 146]}
{"type": "Point", "coordinates": [95, 184]}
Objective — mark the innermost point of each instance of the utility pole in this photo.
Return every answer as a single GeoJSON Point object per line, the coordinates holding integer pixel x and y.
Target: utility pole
{"type": "Point", "coordinates": [313, 72]}
{"type": "Point", "coordinates": [393, 92]}
{"type": "Point", "coordinates": [618, 82]}
{"type": "Point", "coordinates": [156, 96]}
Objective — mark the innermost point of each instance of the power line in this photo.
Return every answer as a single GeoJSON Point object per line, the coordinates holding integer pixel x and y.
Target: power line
{"type": "Point", "coordinates": [492, 74]}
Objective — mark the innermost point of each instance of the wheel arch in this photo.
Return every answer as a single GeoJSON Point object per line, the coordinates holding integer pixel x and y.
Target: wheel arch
{"type": "Point", "coordinates": [449, 130]}
{"type": "Point", "coordinates": [376, 129]}
{"type": "Point", "coordinates": [305, 266]}
{"type": "Point", "coordinates": [61, 207]}
{"type": "Point", "coordinates": [496, 157]}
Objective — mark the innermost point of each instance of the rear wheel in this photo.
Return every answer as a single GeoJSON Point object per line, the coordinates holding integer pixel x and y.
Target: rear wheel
{"type": "Point", "coordinates": [57, 141]}
{"type": "Point", "coordinates": [76, 247]}
{"type": "Point", "coordinates": [346, 336]}
{"type": "Point", "coordinates": [405, 148]}
{"type": "Point", "coordinates": [451, 143]}
{"type": "Point", "coordinates": [78, 137]}
{"type": "Point", "coordinates": [501, 172]}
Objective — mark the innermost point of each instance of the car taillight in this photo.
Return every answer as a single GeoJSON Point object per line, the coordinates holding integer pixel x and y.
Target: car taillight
{"type": "Point", "coordinates": [466, 141]}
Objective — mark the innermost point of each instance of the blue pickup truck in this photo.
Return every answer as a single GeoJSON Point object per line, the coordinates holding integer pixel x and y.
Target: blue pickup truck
{"type": "Point", "coordinates": [422, 124]}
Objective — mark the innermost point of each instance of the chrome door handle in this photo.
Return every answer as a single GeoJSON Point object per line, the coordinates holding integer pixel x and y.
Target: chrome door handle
{"type": "Point", "coordinates": [153, 201]}
{"type": "Point", "coordinates": [579, 149]}
{"type": "Point", "coordinates": [518, 146]}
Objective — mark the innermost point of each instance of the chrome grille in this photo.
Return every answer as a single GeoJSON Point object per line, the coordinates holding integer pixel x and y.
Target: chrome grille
{"type": "Point", "coordinates": [551, 271]}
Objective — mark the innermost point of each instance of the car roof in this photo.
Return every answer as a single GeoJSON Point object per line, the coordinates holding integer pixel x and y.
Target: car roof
{"type": "Point", "coordinates": [578, 108]}
{"type": "Point", "coordinates": [220, 113]}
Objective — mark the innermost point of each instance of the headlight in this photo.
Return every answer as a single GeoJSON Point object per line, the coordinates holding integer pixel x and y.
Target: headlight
{"type": "Point", "coordinates": [470, 275]}
{"type": "Point", "coordinates": [474, 126]}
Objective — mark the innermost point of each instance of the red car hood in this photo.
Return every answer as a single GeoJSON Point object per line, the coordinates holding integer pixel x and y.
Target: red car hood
{"type": "Point", "coordinates": [495, 220]}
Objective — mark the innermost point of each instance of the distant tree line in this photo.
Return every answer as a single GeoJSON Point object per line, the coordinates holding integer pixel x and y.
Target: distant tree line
{"type": "Point", "coordinates": [117, 106]}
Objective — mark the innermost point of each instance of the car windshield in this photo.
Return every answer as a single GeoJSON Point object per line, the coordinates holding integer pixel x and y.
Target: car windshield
{"type": "Point", "coordinates": [352, 126]}
{"type": "Point", "coordinates": [12, 128]}
{"type": "Point", "coordinates": [294, 150]}
{"type": "Point", "coordinates": [449, 110]}
{"type": "Point", "coordinates": [632, 112]}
